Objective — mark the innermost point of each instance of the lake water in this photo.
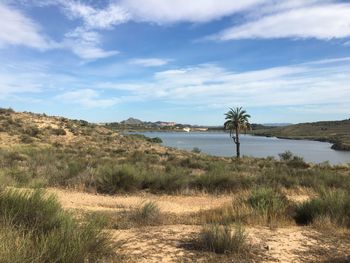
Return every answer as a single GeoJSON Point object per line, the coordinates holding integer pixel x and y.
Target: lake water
{"type": "Point", "coordinates": [220, 144]}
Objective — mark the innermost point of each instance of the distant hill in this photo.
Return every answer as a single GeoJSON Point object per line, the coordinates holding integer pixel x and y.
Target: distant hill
{"type": "Point", "coordinates": [336, 132]}
{"type": "Point", "coordinates": [277, 124]}
{"type": "Point", "coordinates": [132, 121]}
{"type": "Point", "coordinates": [139, 125]}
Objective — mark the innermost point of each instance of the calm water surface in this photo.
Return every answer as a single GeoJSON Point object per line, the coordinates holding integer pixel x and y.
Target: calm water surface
{"type": "Point", "coordinates": [219, 144]}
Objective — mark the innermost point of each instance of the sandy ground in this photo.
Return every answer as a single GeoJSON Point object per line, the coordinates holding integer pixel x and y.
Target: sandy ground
{"type": "Point", "coordinates": [169, 243]}
{"type": "Point", "coordinates": [167, 203]}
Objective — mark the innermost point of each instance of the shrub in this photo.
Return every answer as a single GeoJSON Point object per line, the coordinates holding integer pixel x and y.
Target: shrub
{"type": "Point", "coordinates": [221, 239]}
{"type": "Point", "coordinates": [24, 138]}
{"type": "Point", "coordinates": [293, 160]}
{"type": "Point", "coordinates": [32, 131]}
{"type": "Point", "coordinates": [147, 214]}
{"type": "Point", "coordinates": [334, 204]}
{"type": "Point", "coordinates": [268, 203]}
{"type": "Point", "coordinates": [196, 150]}
{"type": "Point", "coordinates": [117, 178]}
{"type": "Point", "coordinates": [286, 156]}
{"type": "Point", "coordinates": [6, 111]}
{"type": "Point", "coordinates": [221, 180]}
{"type": "Point", "coordinates": [297, 162]}
{"type": "Point", "coordinates": [154, 140]}
{"type": "Point", "coordinates": [34, 228]}
{"type": "Point", "coordinates": [58, 131]}
{"type": "Point", "coordinates": [193, 163]}
{"type": "Point", "coordinates": [30, 210]}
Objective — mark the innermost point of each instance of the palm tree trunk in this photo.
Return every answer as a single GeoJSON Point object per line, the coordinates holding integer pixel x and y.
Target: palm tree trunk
{"type": "Point", "coordinates": [238, 144]}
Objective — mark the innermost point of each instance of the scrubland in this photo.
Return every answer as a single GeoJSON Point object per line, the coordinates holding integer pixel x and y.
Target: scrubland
{"type": "Point", "coordinates": [72, 191]}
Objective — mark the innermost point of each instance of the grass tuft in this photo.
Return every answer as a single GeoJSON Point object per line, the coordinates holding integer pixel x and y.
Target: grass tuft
{"type": "Point", "coordinates": [113, 179]}
{"type": "Point", "coordinates": [332, 204]}
{"type": "Point", "coordinates": [34, 228]}
{"type": "Point", "coordinates": [222, 240]}
{"type": "Point", "coordinates": [268, 203]}
{"type": "Point", "coordinates": [147, 213]}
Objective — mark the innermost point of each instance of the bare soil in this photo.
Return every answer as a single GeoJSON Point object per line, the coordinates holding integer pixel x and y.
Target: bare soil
{"type": "Point", "coordinates": [170, 243]}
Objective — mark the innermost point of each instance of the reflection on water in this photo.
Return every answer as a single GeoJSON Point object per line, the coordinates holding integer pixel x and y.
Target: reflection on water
{"type": "Point", "coordinates": [219, 143]}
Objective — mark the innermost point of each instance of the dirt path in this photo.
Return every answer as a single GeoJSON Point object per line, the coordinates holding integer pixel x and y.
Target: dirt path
{"type": "Point", "coordinates": [167, 204]}
{"type": "Point", "coordinates": [169, 243]}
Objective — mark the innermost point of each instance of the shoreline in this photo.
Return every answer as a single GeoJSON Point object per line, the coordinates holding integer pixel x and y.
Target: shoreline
{"type": "Point", "coordinates": [336, 145]}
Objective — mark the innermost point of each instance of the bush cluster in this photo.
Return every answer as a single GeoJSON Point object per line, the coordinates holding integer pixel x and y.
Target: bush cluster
{"type": "Point", "coordinates": [331, 204]}
{"type": "Point", "coordinates": [34, 228]}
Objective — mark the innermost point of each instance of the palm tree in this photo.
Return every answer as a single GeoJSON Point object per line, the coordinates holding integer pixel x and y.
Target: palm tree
{"type": "Point", "coordinates": [236, 121]}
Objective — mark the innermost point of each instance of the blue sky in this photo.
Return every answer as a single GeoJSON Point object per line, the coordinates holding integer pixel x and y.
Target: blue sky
{"type": "Point", "coordinates": [176, 60]}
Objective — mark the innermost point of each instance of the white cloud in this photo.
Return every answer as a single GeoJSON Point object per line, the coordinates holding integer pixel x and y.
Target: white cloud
{"type": "Point", "coordinates": [339, 108]}
{"type": "Point", "coordinates": [87, 98]}
{"type": "Point", "coordinates": [32, 77]}
{"type": "Point", "coordinates": [170, 11]}
{"type": "Point", "coordinates": [149, 62]}
{"type": "Point", "coordinates": [86, 44]}
{"type": "Point", "coordinates": [17, 29]}
{"type": "Point", "coordinates": [320, 21]}
{"type": "Point", "coordinates": [96, 18]}
{"type": "Point", "coordinates": [315, 83]}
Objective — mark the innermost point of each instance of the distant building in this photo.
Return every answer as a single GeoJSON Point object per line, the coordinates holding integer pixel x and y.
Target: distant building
{"type": "Point", "coordinates": [164, 124]}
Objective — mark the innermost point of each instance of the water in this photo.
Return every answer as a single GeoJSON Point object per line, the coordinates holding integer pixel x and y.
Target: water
{"type": "Point", "coordinates": [219, 144]}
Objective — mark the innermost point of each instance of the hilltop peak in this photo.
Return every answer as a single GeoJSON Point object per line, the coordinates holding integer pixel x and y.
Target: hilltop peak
{"type": "Point", "coordinates": [132, 121]}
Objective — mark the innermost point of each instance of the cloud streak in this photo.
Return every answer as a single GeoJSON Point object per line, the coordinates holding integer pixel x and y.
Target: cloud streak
{"type": "Point", "coordinates": [315, 83]}
{"type": "Point", "coordinates": [94, 18]}
{"type": "Point", "coordinates": [149, 62]}
{"type": "Point", "coordinates": [86, 44]}
{"type": "Point", "coordinates": [88, 98]}
{"type": "Point", "coordinates": [17, 29]}
{"type": "Point", "coordinates": [320, 21]}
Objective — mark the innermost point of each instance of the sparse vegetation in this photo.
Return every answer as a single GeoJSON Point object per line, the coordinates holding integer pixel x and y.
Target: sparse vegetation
{"type": "Point", "coordinates": [331, 204]}
{"type": "Point", "coordinates": [148, 213]}
{"type": "Point", "coordinates": [34, 228]}
{"type": "Point", "coordinates": [262, 206]}
{"type": "Point", "coordinates": [35, 152]}
{"type": "Point", "coordinates": [222, 239]}
{"type": "Point", "coordinates": [196, 150]}
{"type": "Point", "coordinates": [268, 203]}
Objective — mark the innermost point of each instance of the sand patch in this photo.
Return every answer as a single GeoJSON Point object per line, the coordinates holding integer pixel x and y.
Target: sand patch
{"type": "Point", "coordinates": [167, 203]}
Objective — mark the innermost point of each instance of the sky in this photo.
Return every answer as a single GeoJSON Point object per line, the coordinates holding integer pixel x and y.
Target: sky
{"type": "Point", "coordinates": [186, 61]}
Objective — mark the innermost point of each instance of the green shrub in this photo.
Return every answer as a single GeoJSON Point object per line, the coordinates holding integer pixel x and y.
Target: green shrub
{"type": "Point", "coordinates": [220, 181]}
{"type": "Point", "coordinates": [293, 160]}
{"type": "Point", "coordinates": [334, 204]}
{"type": "Point", "coordinates": [154, 140]}
{"type": "Point", "coordinates": [58, 131]}
{"type": "Point", "coordinates": [32, 131]}
{"type": "Point", "coordinates": [268, 202]}
{"type": "Point", "coordinates": [24, 138]}
{"type": "Point", "coordinates": [221, 239]}
{"type": "Point", "coordinates": [113, 179]}
{"type": "Point", "coordinates": [30, 210]}
{"type": "Point", "coordinates": [170, 182]}
{"type": "Point", "coordinates": [147, 213]}
{"type": "Point", "coordinates": [297, 162]}
{"type": "Point", "coordinates": [34, 228]}
{"type": "Point", "coordinates": [193, 163]}
{"type": "Point", "coordinates": [196, 150]}
{"type": "Point", "coordinates": [7, 111]}
{"type": "Point", "coordinates": [286, 156]}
